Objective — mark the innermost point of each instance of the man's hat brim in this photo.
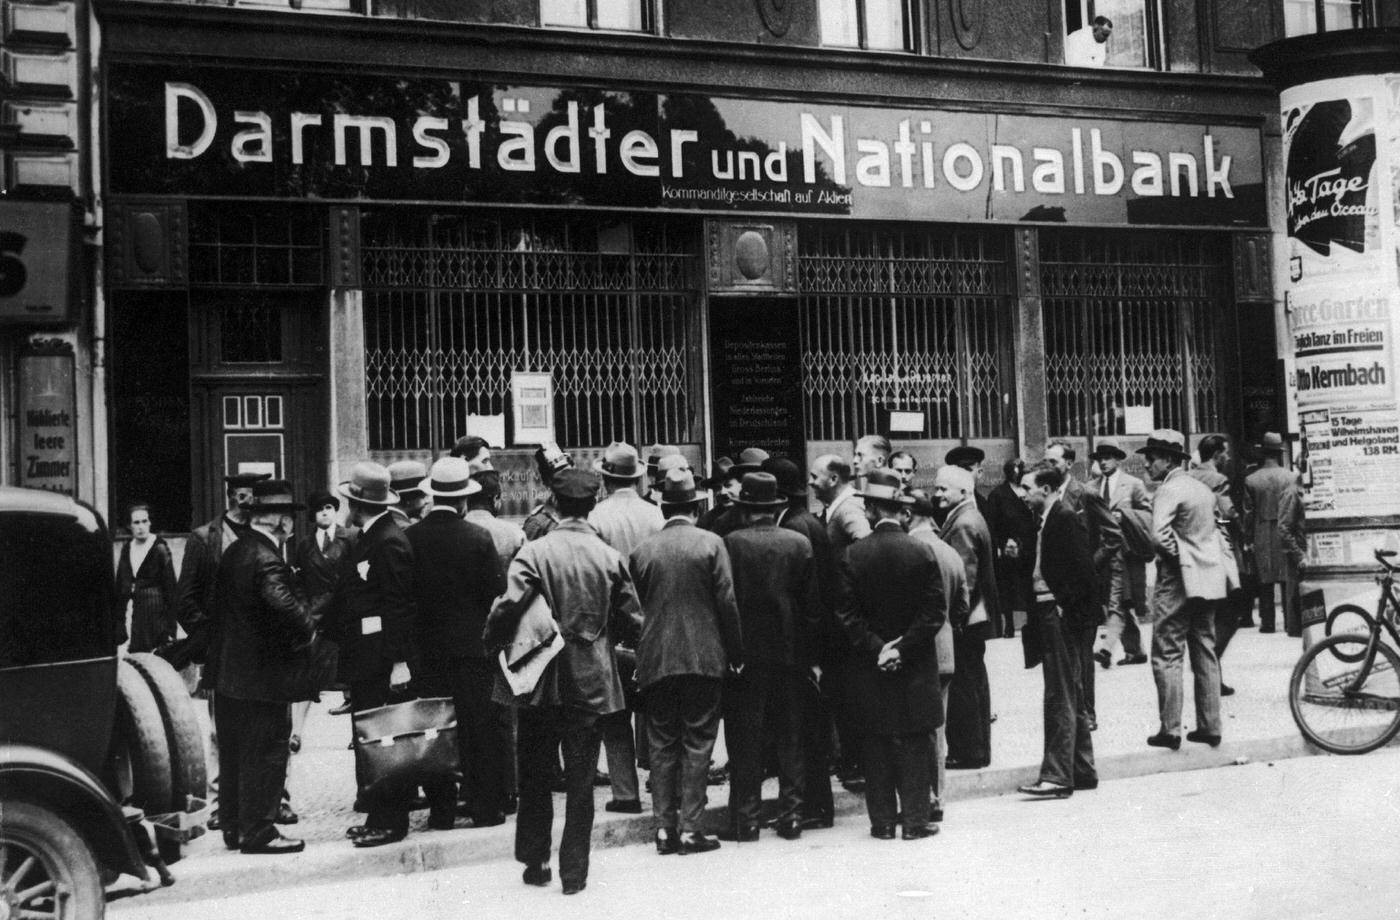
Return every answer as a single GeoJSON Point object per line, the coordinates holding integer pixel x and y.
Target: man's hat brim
{"type": "Point", "coordinates": [392, 498]}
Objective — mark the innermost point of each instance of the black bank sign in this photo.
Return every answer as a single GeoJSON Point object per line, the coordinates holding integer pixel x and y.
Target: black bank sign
{"type": "Point", "coordinates": [227, 132]}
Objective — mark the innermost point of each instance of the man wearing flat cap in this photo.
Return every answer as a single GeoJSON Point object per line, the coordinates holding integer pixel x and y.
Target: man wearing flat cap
{"type": "Point", "coordinates": [1124, 493]}
{"type": "Point", "coordinates": [890, 603]}
{"type": "Point", "coordinates": [457, 574]}
{"type": "Point", "coordinates": [372, 619]}
{"type": "Point", "coordinates": [406, 479]}
{"type": "Point", "coordinates": [623, 519]}
{"type": "Point", "coordinates": [586, 584]}
{"type": "Point", "coordinates": [690, 639]}
{"type": "Point", "coordinates": [775, 585]}
{"type": "Point", "coordinates": [1190, 582]}
{"type": "Point", "coordinates": [266, 628]}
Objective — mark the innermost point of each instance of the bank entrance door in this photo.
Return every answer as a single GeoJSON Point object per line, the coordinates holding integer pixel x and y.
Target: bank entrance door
{"type": "Point", "coordinates": [260, 391]}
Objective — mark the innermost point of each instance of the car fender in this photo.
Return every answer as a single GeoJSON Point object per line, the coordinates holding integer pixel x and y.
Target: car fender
{"type": "Point", "coordinates": [67, 788]}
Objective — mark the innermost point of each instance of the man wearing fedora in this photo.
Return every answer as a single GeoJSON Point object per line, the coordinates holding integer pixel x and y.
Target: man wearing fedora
{"type": "Point", "coordinates": [549, 459]}
{"type": "Point", "coordinates": [266, 626]}
{"type": "Point", "coordinates": [406, 479]}
{"type": "Point", "coordinates": [780, 618]}
{"type": "Point", "coordinates": [890, 603]}
{"type": "Point", "coordinates": [723, 485]}
{"type": "Point", "coordinates": [818, 806]}
{"type": "Point", "coordinates": [970, 697]}
{"type": "Point", "coordinates": [1127, 590]}
{"type": "Point", "coordinates": [731, 517]}
{"type": "Point", "coordinates": [623, 519]}
{"type": "Point", "coordinates": [372, 619]}
{"type": "Point", "coordinates": [1263, 490]}
{"type": "Point", "coordinates": [690, 640]}
{"type": "Point", "coordinates": [1190, 581]}
{"type": "Point", "coordinates": [457, 574]}
{"type": "Point", "coordinates": [1062, 587]}
{"type": "Point", "coordinates": [587, 586]}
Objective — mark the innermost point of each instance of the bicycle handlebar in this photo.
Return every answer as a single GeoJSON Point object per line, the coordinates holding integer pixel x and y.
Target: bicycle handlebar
{"type": "Point", "coordinates": [1383, 554]}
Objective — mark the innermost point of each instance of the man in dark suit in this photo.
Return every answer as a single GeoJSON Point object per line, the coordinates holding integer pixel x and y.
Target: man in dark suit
{"type": "Point", "coordinates": [319, 554]}
{"type": "Point", "coordinates": [690, 640]}
{"type": "Point", "coordinates": [372, 619]}
{"type": "Point", "coordinates": [265, 624]}
{"type": "Point", "coordinates": [969, 729]}
{"type": "Point", "coordinates": [457, 574]}
{"type": "Point", "coordinates": [829, 647]}
{"type": "Point", "coordinates": [890, 603]}
{"type": "Point", "coordinates": [1012, 526]}
{"type": "Point", "coordinates": [776, 589]}
{"type": "Point", "coordinates": [1065, 603]}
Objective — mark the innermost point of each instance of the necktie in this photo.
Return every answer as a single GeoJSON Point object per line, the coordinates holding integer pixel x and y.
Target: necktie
{"type": "Point", "coordinates": [1107, 494]}
{"type": "Point", "coordinates": [321, 540]}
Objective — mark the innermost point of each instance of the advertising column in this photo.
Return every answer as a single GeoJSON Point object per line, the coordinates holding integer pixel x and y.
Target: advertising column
{"type": "Point", "coordinates": [1341, 146]}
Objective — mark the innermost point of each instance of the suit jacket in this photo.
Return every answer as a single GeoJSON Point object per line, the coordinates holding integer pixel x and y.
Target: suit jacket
{"type": "Point", "coordinates": [690, 622]}
{"type": "Point", "coordinates": [1008, 518]}
{"type": "Point", "coordinates": [846, 522]}
{"type": "Point", "coordinates": [151, 591]}
{"type": "Point", "coordinates": [1128, 492]}
{"type": "Point", "coordinates": [1105, 535]}
{"type": "Point", "coordinates": [372, 611]}
{"type": "Point", "coordinates": [1263, 490]}
{"type": "Point", "coordinates": [1292, 527]}
{"type": "Point", "coordinates": [1190, 552]}
{"type": "Point", "coordinates": [775, 585]}
{"type": "Point", "coordinates": [1062, 549]}
{"type": "Point", "coordinates": [950, 567]}
{"type": "Point", "coordinates": [831, 640]}
{"type": "Point", "coordinates": [320, 569]}
{"type": "Point", "coordinates": [586, 583]}
{"type": "Point", "coordinates": [506, 536]}
{"type": "Point", "coordinates": [624, 519]}
{"type": "Point", "coordinates": [265, 622]}
{"type": "Point", "coordinates": [965, 530]}
{"type": "Point", "coordinates": [457, 574]}
{"type": "Point", "coordinates": [890, 588]}
{"type": "Point", "coordinates": [722, 520]}
{"type": "Point", "coordinates": [195, 590]}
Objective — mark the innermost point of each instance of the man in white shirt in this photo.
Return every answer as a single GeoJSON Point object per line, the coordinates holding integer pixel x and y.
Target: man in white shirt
{"type": "Point", "coordinates": [1088, 47]}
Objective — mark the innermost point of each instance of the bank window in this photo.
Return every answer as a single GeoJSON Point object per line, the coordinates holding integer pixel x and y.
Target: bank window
{"type": "Point", "coordinates": [874, 25]}
{"type": "Point", "coordinates": [1134, 41]}
{"type": "Point", "coordinates": [1304, 17]}
{"type": "Point", "coordinates": [604, 15]}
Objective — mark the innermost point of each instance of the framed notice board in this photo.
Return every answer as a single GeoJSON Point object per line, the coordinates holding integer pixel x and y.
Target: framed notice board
{"type": "Point", "coordinates": [756, 366]}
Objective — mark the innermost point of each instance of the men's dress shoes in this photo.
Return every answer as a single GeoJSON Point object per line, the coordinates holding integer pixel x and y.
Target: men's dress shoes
{"type": "Point", "coordinates": [378, 837]}
{"type": "Point", "coordinates": [1093, 724]}
{"type": "Point", "coordinates": [1132, 659]}
{"type": "Point", "coordinates": [285, 815]}
{"type": "Point", "coordinates": [1227, 690]}
{"type": "Point", "coordinates": [1201, 737]}
{"type": "Point", "coordinates": [935, 816]}
{"type": "Point", "coordinates": [294, 744]}
{"type": "Point", "coordinates": [695, 842]}
{"type": "Point", "coordinates": [1162, 739]}
{"type": "Point", "coordinates": [1086, 785]}
{"type": "Point", "coordinates": [953, 764]}
{"type": "Point", "coordinates": [538, 876]}
{"type": "Point", "coordinates": [668, 841]}
{"type": "Point", "coordinates": [882, 831]}
{"type": "Point", "coordinates": [1267, 629]}
{"type": "Point", "coordinates": [441, 822]}
{"type": "Point", "coordinates": [625, 806]}
{"type": "Point", "coordinates": [213, 822]}
{"type": "Point", "coordinates": [356, 832]}
{"type": "Point", "coordinates": [1104, 659]}
{"type": "Point", "coordinates": [574, 887]}
{"type": "Point", "coordinates": [817, 822]}
{"type": "Point", "coordinates": [746, 834]}
{"type": "Point", "coordinates": [601, 779]}
{"type": "Point", "coordinates": [920, 832]}
{"type": "Point", "coordinates": [1044, 790]}
{"type": "Point", "coordinates": [231, 840]}
{"type": "Point", "coordinates": [275, 845]}
{"type": "Point", "coordinates": [481, 821]}
{"type": "Point", "coordinates": [789, 830]}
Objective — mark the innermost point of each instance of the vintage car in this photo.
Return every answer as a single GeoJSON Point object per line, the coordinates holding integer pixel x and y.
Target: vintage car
{"type": "Point", "coordinates": [92, 743]}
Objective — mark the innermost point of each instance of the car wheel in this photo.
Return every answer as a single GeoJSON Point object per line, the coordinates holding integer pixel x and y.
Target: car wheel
{"type": "Point", "coordinates": [141, 732]}
{"type": "Point", "coordinates": [46, 868]}
{"type": "Point", "coordinates": [188, 769]}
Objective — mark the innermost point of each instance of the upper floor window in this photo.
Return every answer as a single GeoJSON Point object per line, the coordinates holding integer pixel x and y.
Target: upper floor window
{"type": "Point", "coordinates": [875, 25]}
{"type": "Point", "coordinates": [609, 15]}
{"type": "Point", "coordinates": [1303, 17]}
{"type": "Point", "coordinates": [1125, 34]}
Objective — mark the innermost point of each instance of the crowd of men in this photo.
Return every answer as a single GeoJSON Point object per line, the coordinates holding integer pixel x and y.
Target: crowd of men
{"type": "Point", "coordinates": [851, 638]}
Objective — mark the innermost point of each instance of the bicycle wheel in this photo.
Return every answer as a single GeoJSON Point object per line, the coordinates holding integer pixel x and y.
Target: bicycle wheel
{"type": "Point", "coordinates": [1349, 619]}
{"type": "Point", "coordinates": [1330, 712]}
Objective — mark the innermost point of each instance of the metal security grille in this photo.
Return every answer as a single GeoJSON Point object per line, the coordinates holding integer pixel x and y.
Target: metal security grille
{"type": "Point", "coordinates": [263, 246]}
{"type": "Point", "coordinates": [912, 319]}
{"type": "Point", "coordinates": [1130, 325]}
{"type": "Point", "coordinates": [455, 304]}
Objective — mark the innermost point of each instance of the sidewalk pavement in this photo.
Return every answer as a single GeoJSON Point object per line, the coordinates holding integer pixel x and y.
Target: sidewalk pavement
{"type": "Point", "coordinates": [1257, 726]}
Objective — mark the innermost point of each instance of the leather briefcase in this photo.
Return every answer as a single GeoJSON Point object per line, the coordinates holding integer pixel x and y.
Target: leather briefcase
{"type": "Point", "coordinates": [406, 743]}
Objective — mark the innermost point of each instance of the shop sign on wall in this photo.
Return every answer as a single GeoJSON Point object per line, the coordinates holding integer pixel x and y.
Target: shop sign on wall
{"type": "Point", "coordinates": [48, 448]}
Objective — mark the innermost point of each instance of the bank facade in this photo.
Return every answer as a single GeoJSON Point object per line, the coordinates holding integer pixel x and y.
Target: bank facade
{"type": "Point", "coordinates": [338, 233]}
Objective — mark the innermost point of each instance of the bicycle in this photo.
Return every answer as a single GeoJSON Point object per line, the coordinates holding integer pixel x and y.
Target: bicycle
{"type": "Point", "coordinates": [1345, 691]}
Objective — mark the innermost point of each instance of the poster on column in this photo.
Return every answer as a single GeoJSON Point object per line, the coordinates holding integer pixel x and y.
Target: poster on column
{"type": "Point", "coordinates": [1350, 460]}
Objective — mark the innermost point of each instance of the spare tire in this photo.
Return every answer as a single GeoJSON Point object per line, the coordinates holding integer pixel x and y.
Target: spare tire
{"type": "Point", "coordinates": [188, 767]}
{"type": "Point", "coordinates": [141, 732]}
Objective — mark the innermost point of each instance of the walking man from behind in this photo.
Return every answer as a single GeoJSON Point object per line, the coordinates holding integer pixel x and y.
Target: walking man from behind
{"type": "Point", "coordinates": [1190, 581]}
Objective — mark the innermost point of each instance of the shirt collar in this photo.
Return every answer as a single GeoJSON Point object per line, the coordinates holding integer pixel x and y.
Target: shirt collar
{"type": "Point", "coordinates": [374, 520]}
{"type": "Point", "coordinates": [846, 492]}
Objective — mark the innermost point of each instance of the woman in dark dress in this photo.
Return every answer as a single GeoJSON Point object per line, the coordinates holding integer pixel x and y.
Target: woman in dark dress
{"type": "Point", "coordinates": [146, 584]}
